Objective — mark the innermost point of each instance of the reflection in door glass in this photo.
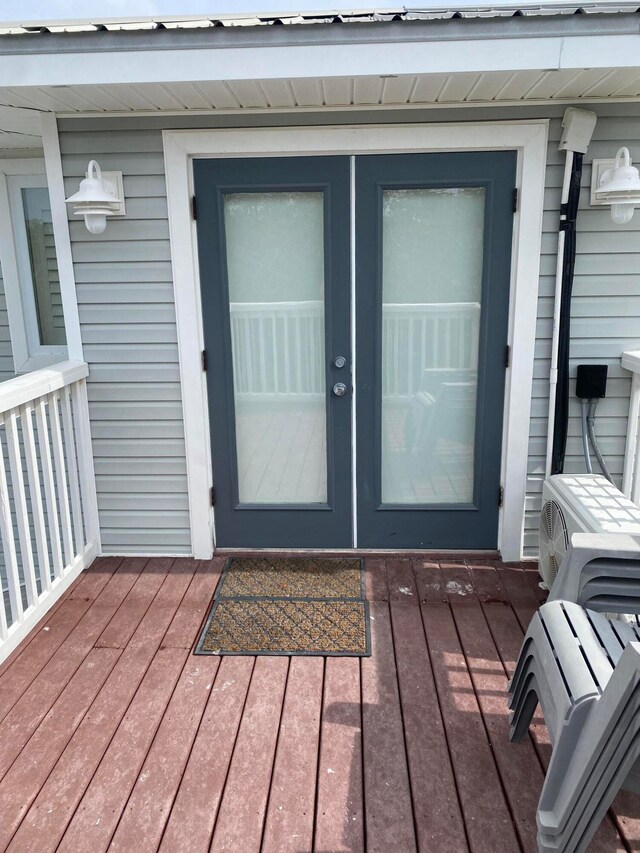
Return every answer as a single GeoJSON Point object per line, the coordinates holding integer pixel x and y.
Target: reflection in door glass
{"type": "Point", "coordinates": [431, 291]}
{"type": "Point", "coordinates": [44, 265]}
{"type": "Point", "coordinates": [275, 263]}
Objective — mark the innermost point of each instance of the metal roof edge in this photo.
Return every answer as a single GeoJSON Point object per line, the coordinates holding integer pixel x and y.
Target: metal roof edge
{"type": "Point", "coordinates": [564, 7]}
{"type": "Point", "coordinates": [369, 31]}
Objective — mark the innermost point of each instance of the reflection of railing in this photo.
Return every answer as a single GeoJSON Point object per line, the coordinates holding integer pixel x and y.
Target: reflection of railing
{"type": "Point", "coordinates": [48, 510]}
{"type": "Point", "coordinates": [278, 347]}
{"type": "Point", "coordinates": [420, 337]}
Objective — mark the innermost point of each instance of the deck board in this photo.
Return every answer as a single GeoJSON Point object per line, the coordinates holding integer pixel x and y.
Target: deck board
{"type": "Point", "coordinates": [147, 811]}
{"type": "Point", "coordinates": [198, 798]}
{"type": "Point", "coordinates": [244, 802]}
{"type": "Point", "coordinates": [113, 736]}
{"type": "Point", "coordinates": [288, 826]}
{"type": "Point", "coordinates": [438, 819]}
{"type": "Point", "coordinates": [52, 810]}
{"type": "Point", "coordinates": [96, 817]}
{"type": "Point", "coordinates": [339, 818]}
{"type": "Point", "coordinates": [514, 762]}
{"type": "Point", "coordinates": [35, 703]}
{"type": "Point", "coordinates": [486, 814]}
{"type": "Point", "coordinates": [387, 791]}
{"type": "Point", "coordinates": [28, 773]}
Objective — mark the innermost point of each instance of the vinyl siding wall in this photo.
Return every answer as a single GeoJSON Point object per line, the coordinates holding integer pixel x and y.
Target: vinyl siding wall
{"type": "Point", "coordinates": [605, 309]}
{"type": "Point", "coordinates": [125, 296]}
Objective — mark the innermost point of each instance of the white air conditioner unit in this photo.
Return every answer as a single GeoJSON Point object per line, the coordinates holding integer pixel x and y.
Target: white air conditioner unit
{"type": "Point", "coordinates": [579, 503]}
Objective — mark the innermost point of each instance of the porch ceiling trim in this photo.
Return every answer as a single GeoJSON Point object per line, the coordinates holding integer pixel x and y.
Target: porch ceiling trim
{"type": "Point", "coordinates": [47, 69]}
{"type": "Point", "coordinates": [529, 139]}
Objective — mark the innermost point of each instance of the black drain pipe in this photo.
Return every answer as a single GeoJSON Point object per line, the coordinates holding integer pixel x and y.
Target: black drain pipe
{"type": "Point", "coordinates": [577, 128]}
{"type": "Point", "coordinates": [568, 216]}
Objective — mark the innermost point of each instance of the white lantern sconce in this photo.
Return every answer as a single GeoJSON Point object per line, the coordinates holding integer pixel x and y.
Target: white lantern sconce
{"type": "Point", "coordinates": [101, 194]}
{"type": "Point", "coordinates": [616, 183]}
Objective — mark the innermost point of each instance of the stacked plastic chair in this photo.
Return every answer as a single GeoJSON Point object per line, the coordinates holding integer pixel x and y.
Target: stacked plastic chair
{"type": "Point", "coordinates": [601, 571]}
{"type": "Point", "coordinates": [584, 670]}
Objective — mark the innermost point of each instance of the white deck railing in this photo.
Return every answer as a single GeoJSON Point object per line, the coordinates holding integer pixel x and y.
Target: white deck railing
{"type": "Point", "coordinates": [278, 346]}
{"type": "Point", "coordinates": [631, 471]}
{"type": "Point", "coordinates": [48, 508]}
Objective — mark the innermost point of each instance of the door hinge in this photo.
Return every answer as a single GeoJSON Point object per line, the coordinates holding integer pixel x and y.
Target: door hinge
{"type": "Point", "coordinates": [514, 207]}
{"type": "Point", "coordinates": [194, 208]}
{"type": "Point", "coordinates": [500, 495]}
{"type": "Point", "coordinates": [212, 495]}
{"type": "Point", "coordinates": [507, 356]}
{"type": "Point", "coordinates": [204, 360]}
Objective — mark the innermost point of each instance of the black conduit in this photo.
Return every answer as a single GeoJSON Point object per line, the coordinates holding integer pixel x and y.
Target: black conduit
{"type": "Point", "coordinates": [568, 225]}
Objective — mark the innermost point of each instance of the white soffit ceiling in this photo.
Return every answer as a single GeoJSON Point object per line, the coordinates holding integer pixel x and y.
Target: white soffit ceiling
{"type": "Point", "coordinates": [492, 87]}
{"type": "Point", "coordinates": [19, 128]}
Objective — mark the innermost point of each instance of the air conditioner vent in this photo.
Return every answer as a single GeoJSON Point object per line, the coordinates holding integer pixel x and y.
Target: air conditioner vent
{"type": "Point", "coordinates": [554, 540]}
{"type": "Point", "coordinates": [579, 503]}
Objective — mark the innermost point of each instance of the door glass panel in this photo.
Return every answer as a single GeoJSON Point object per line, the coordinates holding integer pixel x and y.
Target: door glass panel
{"type": "Point", "coordinates": [275, 264]}
{"type": "Point", "coordinates": [44, 265]}
{"type": "Point", "coordinates": [431, 291]}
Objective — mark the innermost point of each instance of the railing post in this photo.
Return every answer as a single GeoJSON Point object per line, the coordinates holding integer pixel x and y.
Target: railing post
{"type": "Point", "coordinates": [631, 471]}
{"type": "Point", "coordinates": [631, 448]}
{"type": "Point", "coordinates": [61, 478]}
{"type": "Point", "coordinates": [85, 463]}
{"type": "Point", "coordinates": [74, 461]}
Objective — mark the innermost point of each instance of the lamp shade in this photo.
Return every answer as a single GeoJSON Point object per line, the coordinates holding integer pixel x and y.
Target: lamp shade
{"type": "Point", "coordinates": [92, 192]}
{"type": "Point", "coordinates": [94, 200]}
{"type": "Point", "coordinates": [621, 183]}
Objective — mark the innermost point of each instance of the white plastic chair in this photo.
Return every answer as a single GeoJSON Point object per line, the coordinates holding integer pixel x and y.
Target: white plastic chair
{"type": "Point", "coordinates": [584, 670]}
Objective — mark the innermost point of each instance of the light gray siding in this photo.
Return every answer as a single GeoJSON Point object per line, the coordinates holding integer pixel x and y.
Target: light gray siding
{"type": "Point", "coordinates": [125, 295]}
{"type": "Point", "coordinates": [605, 308]}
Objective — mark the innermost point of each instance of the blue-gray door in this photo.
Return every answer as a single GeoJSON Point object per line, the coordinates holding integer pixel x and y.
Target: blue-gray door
{"type": "Point", "coordinates": [425, 370]}
{"type": "Point", "coordinates": [275, 271]}
{"type": "Point", "coordinates": [433, 259]}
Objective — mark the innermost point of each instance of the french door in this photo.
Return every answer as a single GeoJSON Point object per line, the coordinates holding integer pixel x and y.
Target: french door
{"type": "Point", "coordinates": [355, 317]}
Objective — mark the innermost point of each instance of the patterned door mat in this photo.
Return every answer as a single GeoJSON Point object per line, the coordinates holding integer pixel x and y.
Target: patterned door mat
{"type": "Point", "coordinates": [288, 606]}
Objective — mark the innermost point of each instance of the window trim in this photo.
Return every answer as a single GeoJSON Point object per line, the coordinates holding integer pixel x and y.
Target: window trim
{"type": "Point", "coordinates": [28, 353]}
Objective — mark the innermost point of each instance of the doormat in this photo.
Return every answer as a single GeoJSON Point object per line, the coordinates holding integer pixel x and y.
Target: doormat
{"type": "Point", "coordinates": [288, 606]}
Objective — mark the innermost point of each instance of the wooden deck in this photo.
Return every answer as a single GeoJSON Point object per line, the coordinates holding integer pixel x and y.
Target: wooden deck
{"type": "Point", "coordinates": [113, 736]}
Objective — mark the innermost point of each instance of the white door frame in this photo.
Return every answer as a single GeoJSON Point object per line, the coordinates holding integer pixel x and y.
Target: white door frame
{"type": "Point", "coordinates": [527, 138]}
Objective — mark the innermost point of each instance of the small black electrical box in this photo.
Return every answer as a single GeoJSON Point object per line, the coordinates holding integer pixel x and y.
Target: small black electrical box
{"type": "Point", "coordinates": [591, 381]}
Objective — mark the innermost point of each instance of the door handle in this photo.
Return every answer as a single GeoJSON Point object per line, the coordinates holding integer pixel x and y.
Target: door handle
{"type": "Point", "coordinates": [339, 389]}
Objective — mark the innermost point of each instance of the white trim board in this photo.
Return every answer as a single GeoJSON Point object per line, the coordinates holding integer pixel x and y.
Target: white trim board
{"type": "Point", "coordinates": [528, 139]}
{"type": "Point", "coordinates": [62, 239]}
{"type": "Point", "coordinates": [263, 61]}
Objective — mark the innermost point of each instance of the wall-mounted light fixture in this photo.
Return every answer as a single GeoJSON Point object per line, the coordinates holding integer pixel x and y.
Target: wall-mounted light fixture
{"type": "Point", "coordinates": [101, 194]}
{"type": "Point", "coordinates": [616, 183]}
